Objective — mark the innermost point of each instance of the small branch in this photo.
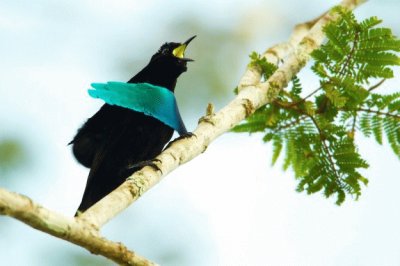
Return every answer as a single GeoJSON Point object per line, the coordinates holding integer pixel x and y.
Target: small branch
{"type": "Point", "coordinates": [350, 55]}
{"type": "Point", "coordinates": [326, 148]}
{"type": "Point", "coordinates": [75, 231]}
{"type": "Point", "coordinates": [309, 95]}
{"type": "Point", "coordinates": [291, 124]}
{"type": "Point", "coordinates": [376, 85]}
{"type": "Point", "coordinates": [379, 113]}
{"type": "Point", "coordinates": [291, 105]}
{"type": "Point", "coordinates": [288, 106]}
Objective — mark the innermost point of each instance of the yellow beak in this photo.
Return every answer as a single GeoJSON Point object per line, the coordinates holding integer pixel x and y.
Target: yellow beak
{"type": "Point", "coordinates": [179, 51]}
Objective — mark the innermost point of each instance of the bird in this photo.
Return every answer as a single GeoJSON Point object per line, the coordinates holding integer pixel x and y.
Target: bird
{"type": "Point", "coordinates": [118, 139]}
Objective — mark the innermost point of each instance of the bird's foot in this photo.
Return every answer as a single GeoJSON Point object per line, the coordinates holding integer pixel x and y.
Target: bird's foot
{"type": "Point", "coordinates": [140, 165]}
{"type": "Point", "coordinates": [183, 136]}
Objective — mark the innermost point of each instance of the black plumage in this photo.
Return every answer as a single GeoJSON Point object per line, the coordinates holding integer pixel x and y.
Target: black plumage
{"type": "Point", "coordinates": [114, 140]}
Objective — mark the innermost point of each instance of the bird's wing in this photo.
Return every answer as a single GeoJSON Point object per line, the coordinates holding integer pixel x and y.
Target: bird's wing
{"type": "Point", "coordinates": [90, 136]}
{"type": "Point", "coordinates": [131, 139]}
{"type": "Point", "coordinates": [146, 98]}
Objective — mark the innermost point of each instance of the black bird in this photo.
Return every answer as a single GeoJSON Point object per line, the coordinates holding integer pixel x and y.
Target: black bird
{"type": "Point", "coordinates": [116, 141]}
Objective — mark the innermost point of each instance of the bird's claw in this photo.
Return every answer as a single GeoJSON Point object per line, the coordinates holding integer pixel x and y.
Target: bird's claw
{"type": "Point", "coordinates": [183, 136]}
{"type": "Point", "coordinates": [142, 164]}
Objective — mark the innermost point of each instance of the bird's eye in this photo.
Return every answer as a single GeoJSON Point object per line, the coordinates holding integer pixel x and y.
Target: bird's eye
{"type": "Point", "coordinates": [165, 51]}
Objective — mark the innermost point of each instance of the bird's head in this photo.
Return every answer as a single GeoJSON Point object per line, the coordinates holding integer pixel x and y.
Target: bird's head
{"type": "Point", "coordinates": [171, 56]}
{"type": "Point", "coordinates": [165, 66]}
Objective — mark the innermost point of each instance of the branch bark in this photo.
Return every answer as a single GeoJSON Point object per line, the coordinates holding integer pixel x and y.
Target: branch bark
{"type": "Point", "coordinates": [73, 230]}
{"type": "Point", "coordinates": [84, 230]}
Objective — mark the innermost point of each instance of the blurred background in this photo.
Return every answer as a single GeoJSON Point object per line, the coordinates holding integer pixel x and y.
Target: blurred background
{"type": "Point", "coordinates": [226, 207]}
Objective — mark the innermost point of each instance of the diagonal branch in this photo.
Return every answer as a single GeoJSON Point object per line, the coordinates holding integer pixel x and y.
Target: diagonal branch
{"type": "Point", "coordinates": [252, 95]}
{"type": "Point", "coordinates": [69, 229]}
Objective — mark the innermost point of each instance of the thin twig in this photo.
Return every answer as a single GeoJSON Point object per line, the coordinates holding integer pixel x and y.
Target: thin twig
{"type": "Point", "coordinates": [328, 153]}
{"type": "Point", "coordinates": [309, 95]}
{"type": "Point", "coordinates": [379, 113]}
{"type": "Point", "coordinates": [291, 124]}
{"type": "Point", "coordinates": [376, 85]}
{"type": "Point", "coordinates": [350, 55]}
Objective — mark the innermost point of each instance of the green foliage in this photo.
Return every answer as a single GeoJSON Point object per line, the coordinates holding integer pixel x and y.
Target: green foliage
{"type": "Point", "coordinates": [267, 68]}
{"type": "Point", "coordinates": [381, 115]}
{"type": "Point", "coordinates": [316, 132]}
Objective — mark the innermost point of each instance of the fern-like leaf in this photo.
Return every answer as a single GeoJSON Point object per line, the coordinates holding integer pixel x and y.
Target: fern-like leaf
{"type": "Point", "coordinates": [316, 135]}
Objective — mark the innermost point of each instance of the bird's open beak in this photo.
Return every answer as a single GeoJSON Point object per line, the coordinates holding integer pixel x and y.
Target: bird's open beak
{"type": "Point", "coordinates": [179, 51]}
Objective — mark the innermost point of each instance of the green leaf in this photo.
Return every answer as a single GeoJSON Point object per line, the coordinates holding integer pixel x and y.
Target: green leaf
{"type": "Point", "coordinates": [375, 34]}
{"type": "Point", "coordinates": [369, 23]}
{"type": "Point", "coordinates": [365, 124]}
{"type": "Point", "coordinates": [372, 71]}
{"type": "Point", "coordinates": [335, 97]}
{"type": "Point", "coordinates": [296, 88]}
{"type": "Point", "coordinates": [277, 148]}
{"type": "Point", "coordinates": [380, 46]}
{"type": "Point", "coordinates": [392, 130]}
{"type": "Point", "coordinates": [377, 59]}
{"type": "Point", "coordinates": [376, 125]}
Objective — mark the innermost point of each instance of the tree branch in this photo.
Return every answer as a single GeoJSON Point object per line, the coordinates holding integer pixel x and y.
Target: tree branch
{"type": "Point", "coordinates": [73, 230]}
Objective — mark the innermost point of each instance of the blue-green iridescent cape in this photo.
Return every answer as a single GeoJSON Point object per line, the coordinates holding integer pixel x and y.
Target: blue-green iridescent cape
{"type": "Point", "coordinates": [146, 98]}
